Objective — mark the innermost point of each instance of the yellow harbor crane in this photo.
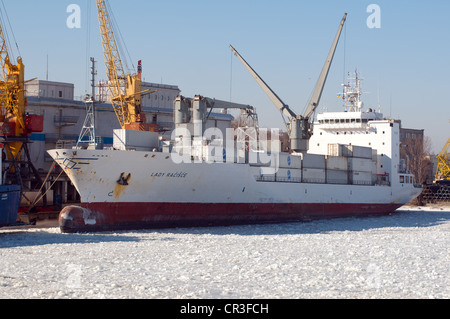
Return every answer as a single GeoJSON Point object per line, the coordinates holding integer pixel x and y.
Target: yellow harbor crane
{"type": "Point", "coordinates": [16, 125]}
{"type": "Point", "coordinates": [12, 98]}
{"type": "Point", "coordinates": [125, 89]}
{"type": "Point", "coordinates": [443, 165]}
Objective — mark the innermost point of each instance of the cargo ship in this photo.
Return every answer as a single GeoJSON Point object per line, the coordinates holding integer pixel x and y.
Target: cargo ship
{"type": "Point", "coordinates": [343, 164]}
{"type": "Point", "coordinates": [353, 168]}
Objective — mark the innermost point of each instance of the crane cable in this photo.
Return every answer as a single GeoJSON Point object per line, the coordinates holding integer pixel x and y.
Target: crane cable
{"type": "Point", "coordinates": [38, 198]}
{"type": "Point", "coordinates": [10, 29]}
{"type": "Point", "coordinates": [122, 47]}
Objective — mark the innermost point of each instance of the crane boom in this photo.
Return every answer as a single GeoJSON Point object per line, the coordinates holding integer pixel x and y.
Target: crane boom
{"type": "Point", "coordinates": [125, 89]}
{"type": "Point", "coordinates": [284, 108]}
{"type": "Point", "coordinates": [315, 98]}
{"type": "Point", "coordinates": [113, 63]}
{"type": "Point", "coordinates": [12, 87]}
{"type": "Point", "coordinates": [299, 127]}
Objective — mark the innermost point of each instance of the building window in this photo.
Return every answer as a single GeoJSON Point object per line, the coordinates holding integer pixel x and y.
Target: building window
{"type": "Point", "coordinates": [60, 94]}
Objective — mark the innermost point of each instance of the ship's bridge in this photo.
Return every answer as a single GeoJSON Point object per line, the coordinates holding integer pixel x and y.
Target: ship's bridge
{"type": "Point", "coordinates": [347, 120]}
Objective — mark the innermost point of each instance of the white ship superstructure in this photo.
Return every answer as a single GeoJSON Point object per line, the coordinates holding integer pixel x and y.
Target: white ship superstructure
{"type": "Point", "coordinates": [360, 128]}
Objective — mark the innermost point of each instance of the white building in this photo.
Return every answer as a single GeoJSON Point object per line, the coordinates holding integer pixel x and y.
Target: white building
{"type": "Point", "coordinates": [162, 98]}
{"type": "Point", "coordinates": [50, 89]}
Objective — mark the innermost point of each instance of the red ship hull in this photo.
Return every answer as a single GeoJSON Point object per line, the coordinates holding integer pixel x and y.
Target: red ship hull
{"type": "Point", "coordinates": [122, 216]}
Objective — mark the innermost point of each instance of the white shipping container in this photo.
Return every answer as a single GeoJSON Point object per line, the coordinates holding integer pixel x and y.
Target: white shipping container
{"type": "Point", "coordinates": [359, 151]}
{"type": "Point", "coordinates": [313, 161]}
{"type": "Point", "coordinates": [286, 160]}
{"type": "Point", "coordinates": [360, 178]}
{"type": "Point", "coordinates": [256, 171]}
{"type": "Point", "coordinates": [374, 154]}
{"type": "Point", "coordinates": [262, 159]}
{"type": "Point", "coordinates": [313, 175]}
{"type": "Point", "coordinates": [137, 140]}
{"type": "Point", "coordinates": [338, 150]}
{"type": "Point", "coordinates": [337, 162]}
{"type": "Point", "coordinates": [337, 177]}
{"type": "Point", "coordinates": [374, 168]}
{"type": "Point", "coordinates": [360, 164]}
{"type": "Point", "coordinates": [289, 175]}
{"type": "Point", "coordinates": [267, 177]}
{"type": "Point", "coordinates": [263, 173]}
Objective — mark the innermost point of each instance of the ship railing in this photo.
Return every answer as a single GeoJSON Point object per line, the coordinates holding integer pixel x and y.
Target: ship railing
{"type": "Point", "coordinates": [64, 144]}
{"type": "Point", "coordinates": [362, 183]}
{"type": "Point", "coordinates": [288, 180]}
{"type": "Point", "coordinates": [272, 178]}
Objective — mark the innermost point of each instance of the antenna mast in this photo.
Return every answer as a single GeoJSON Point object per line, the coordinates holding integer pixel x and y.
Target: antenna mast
{"type": "Point", "coordinates": [88, 129]}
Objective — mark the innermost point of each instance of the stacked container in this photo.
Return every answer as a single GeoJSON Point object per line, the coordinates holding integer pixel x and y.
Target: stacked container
{"type": "Point", "coordinates": [313, 168]}
{"type": "Point", "coordinates": [289, 168]}
{"type": "Point", "coordinates": [337, 170]}
{"type": "Point", "coordinates": [359, 162]}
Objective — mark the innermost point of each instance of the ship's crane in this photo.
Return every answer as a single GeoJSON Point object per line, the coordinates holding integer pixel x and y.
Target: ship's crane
{"type": "Point", "coordinates": [299, 127]}
{"type": "Point", "coordinates": [125, 88]}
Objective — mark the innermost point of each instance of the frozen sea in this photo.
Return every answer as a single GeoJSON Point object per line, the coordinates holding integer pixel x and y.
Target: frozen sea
{"type": "Point", "coordinates": [405, 255]}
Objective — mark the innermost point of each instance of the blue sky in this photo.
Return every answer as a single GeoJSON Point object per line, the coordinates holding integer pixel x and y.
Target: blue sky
{"type": "Point", "coordinates": [404, 63]}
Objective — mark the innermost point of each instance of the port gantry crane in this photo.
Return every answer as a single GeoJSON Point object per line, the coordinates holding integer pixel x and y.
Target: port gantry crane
{"type": "Point", "coordinates": [16, 125]}
{"type": "Point", "coordinates": [125, 89]}
{"type": "Point", "coordinates": [299, 127]}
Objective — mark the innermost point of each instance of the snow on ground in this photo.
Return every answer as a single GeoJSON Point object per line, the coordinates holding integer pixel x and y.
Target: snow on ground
{"type": "Point", "coordinates": [401, 256]}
